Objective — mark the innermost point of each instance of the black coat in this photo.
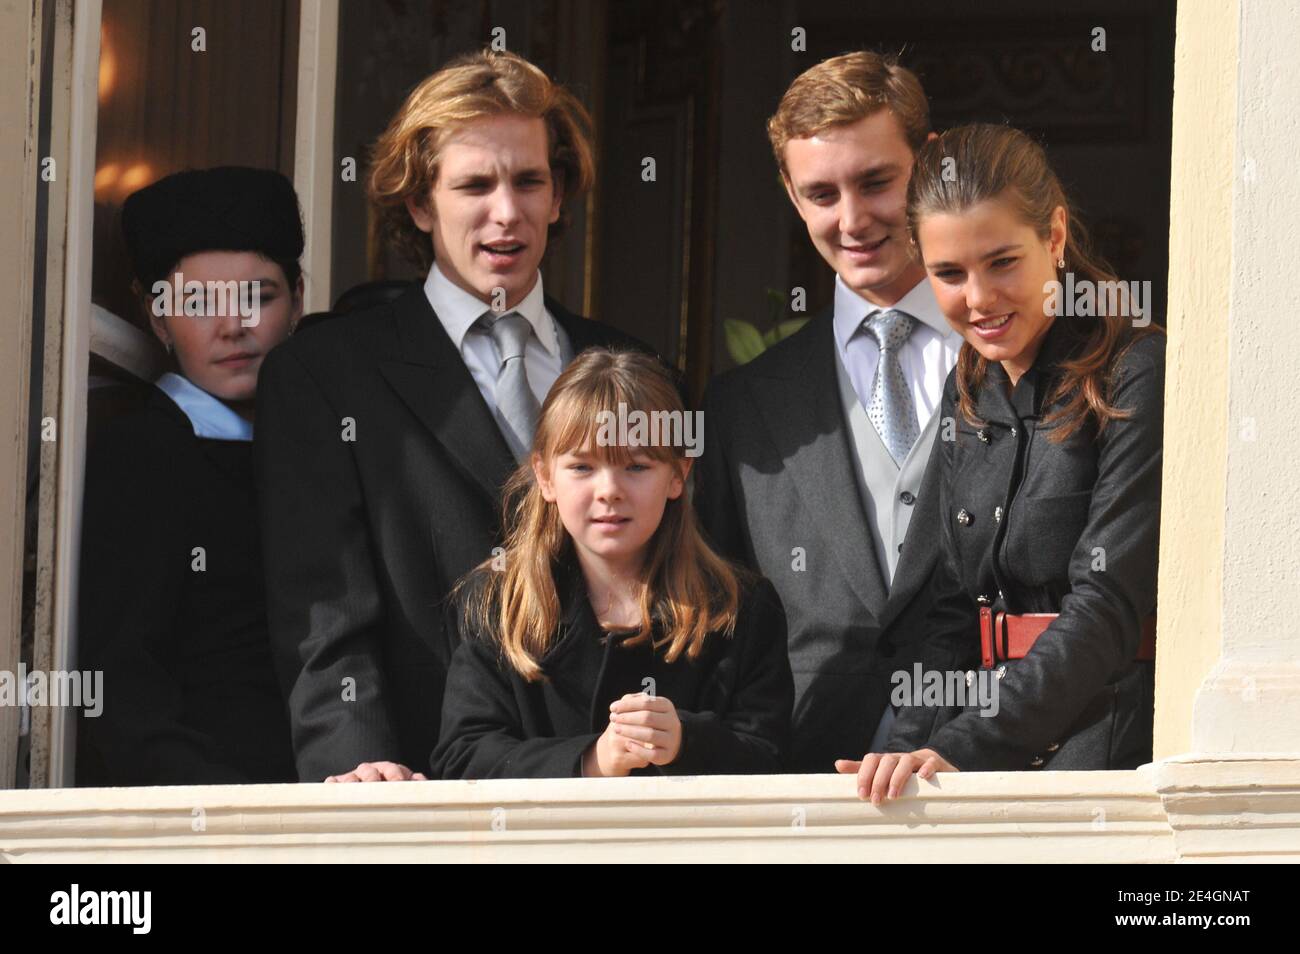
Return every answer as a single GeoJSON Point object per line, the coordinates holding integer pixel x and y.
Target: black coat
{"type": "Point", "coordinates": [190, 695]}
{"type": "Point", "coordinates": [365, 537]}
{"type": "Point", "coordinates": [1032, 526]}
{"type": "Point", "coordinates": [733, 700]}
{"type": "Point", "coordinates": [777, 473]}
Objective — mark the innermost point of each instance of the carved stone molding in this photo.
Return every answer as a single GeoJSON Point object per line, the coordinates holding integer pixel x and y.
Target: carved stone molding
{"type": "Point", "coordinates": [1189, 808]}
{"type": "Point", "coordinates": [1232, 807]}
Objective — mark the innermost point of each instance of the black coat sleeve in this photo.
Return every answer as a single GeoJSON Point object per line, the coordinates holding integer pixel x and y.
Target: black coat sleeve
{"type": "Point", "coordinates": [744, 728]}
{"type": "Point", "coordinates": [133, 567]}
{"type": "Point", "coordinates": [1097, 633]}
{"type": "Point", "coordinates": [324, 603]}
{"type": "Point", "coordinates": [483, 733]}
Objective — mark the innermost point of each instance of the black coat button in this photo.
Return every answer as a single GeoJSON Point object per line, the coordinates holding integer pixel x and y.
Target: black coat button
{"type": "Point", "coordinates": [964, 517]}
{"type": "Point", "coordinates": [983, 435]}
{"type": "Point", "coordinates": [907, 497]}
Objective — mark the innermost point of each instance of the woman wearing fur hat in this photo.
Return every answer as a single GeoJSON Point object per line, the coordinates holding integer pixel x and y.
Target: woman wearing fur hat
{"type": "Point", "coordinates": [172, 606]}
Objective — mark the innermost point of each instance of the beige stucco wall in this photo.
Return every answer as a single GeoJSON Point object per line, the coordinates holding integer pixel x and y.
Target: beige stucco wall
{"type": "Point", "coordinates": [1251, 700]}
{"type": "Point", "coordinates": [1196, 401]}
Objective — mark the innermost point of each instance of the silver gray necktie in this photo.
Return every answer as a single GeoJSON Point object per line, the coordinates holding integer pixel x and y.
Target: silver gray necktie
{"type": "Point", "coordinates": [517, 407]}
{"type": "Point", "coordinates": [892, 410]}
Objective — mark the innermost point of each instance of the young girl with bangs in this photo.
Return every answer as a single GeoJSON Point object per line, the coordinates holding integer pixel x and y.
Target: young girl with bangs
{"type": "Point", "coordinates": [606, 638]}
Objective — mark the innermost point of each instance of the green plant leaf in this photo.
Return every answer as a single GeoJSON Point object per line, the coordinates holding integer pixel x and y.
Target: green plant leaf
{"type": "Point", "coordinates": [783, 330]}
{"type": "Point", "coordinates": [744, 343]}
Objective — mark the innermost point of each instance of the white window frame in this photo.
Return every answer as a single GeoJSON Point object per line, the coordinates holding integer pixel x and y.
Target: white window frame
{"type": "Point", "coordinates": [75, 328]}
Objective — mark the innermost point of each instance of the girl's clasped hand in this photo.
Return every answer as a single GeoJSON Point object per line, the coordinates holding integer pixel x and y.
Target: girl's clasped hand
{"type": "Point", "coordinates": [643, 730]}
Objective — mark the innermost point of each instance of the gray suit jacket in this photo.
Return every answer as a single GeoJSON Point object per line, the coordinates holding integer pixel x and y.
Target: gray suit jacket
{"type": "Point", "coordinates": [776, 490]}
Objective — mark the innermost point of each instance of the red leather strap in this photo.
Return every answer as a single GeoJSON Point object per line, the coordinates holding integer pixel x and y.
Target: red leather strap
{"type": "Point", "coordinates": [986, 637]}
{"type": "Point", "coordinates": [1016, 635]}
{"type": "Point", "coordinates": [1011, 636]}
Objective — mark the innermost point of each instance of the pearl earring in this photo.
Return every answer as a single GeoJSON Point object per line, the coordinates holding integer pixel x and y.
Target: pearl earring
{"type": "Point", "coordinates": [1060, 263]}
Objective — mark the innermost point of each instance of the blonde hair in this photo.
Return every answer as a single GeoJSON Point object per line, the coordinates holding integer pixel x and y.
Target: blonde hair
{"type": "Point", "coordinates": [404, 160]}
{"type": "Point", "coordinates": [1000, 162]}
{"type": "Point", "coordinates": [687, 590]}
{"type": "Point", "coordinates": [845, 89]}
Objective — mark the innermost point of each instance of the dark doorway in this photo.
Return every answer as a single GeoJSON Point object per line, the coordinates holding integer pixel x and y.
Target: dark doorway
{"type": "Point", "coordinates": [691, 83]}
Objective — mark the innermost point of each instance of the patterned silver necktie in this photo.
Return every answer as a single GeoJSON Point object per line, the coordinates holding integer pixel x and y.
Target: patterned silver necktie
{"type": "Point", "coordinates": [892, 410]}
{"type": "Point", "coordinates": [517, 407]}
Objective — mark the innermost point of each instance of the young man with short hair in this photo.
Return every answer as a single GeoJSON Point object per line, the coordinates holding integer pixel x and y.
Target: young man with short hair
{"type": "Point", "coordinates": [815, 462]}
{"type": "Point", "coordinates": [384, 436]}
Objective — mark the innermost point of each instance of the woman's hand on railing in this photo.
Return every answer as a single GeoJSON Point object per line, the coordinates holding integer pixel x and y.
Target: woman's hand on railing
{"type": "Point", "coordinates": [883, 775]}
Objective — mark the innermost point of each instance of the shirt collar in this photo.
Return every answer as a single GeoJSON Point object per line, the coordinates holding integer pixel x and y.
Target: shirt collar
{"type": "Point", "coordinates": [851, 309]}
{"type": "Point", "coordinates": [458, 310]}
{"type": "Point", "coordinates": [209, 416]}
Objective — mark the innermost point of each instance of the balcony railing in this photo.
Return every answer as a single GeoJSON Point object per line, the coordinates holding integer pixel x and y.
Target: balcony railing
{"type": "Point", "coordinates": [1188, 808]}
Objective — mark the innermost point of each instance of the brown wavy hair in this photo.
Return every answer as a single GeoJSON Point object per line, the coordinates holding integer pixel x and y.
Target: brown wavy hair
{"type": "Point", "coordinates": [687, 590]}
{"type": "Point", "coordinates": [404, 159]}
{"type": "Point", "coordinates": [1000, 162]}
{"type": "Point", "coordinates": [845, 89]}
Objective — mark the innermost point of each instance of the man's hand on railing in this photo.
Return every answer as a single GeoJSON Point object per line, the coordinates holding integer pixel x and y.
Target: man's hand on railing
{"type": "Point", "coordinates": [379, 772]}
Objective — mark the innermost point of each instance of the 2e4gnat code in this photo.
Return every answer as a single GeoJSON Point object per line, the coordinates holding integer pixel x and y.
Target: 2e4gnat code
{"type": "Point", "coordinates": [1192, 896]}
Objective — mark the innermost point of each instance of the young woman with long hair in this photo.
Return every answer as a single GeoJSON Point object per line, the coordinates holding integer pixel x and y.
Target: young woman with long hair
{"type": "Point", "coordinates": [1050, 482]}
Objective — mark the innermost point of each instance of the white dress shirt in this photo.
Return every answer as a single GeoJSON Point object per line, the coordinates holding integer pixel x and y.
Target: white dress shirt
{"type": "Point", "coordinates": [926, 357]}
{"type": "Point", "coordinates": [209, 416]}
{"type": "Point", "coordinates": [458, 310]}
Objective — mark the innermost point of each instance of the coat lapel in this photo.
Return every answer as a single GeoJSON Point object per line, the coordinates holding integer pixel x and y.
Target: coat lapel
{"type": "Point", "coordinates": [1026, 400]}
{"type": "Point", "coordinates": [432, 380]}
{"type": "Point", "coordinates": [582, 332]}
{"type": "Point", "coordinates": [798, 401]}
{"type": "Point", "coordinates": [241, 480]}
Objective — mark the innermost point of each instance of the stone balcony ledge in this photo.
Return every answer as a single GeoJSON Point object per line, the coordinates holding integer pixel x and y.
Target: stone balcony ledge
{"type": "Point", "coordinates": [1187, 808]}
